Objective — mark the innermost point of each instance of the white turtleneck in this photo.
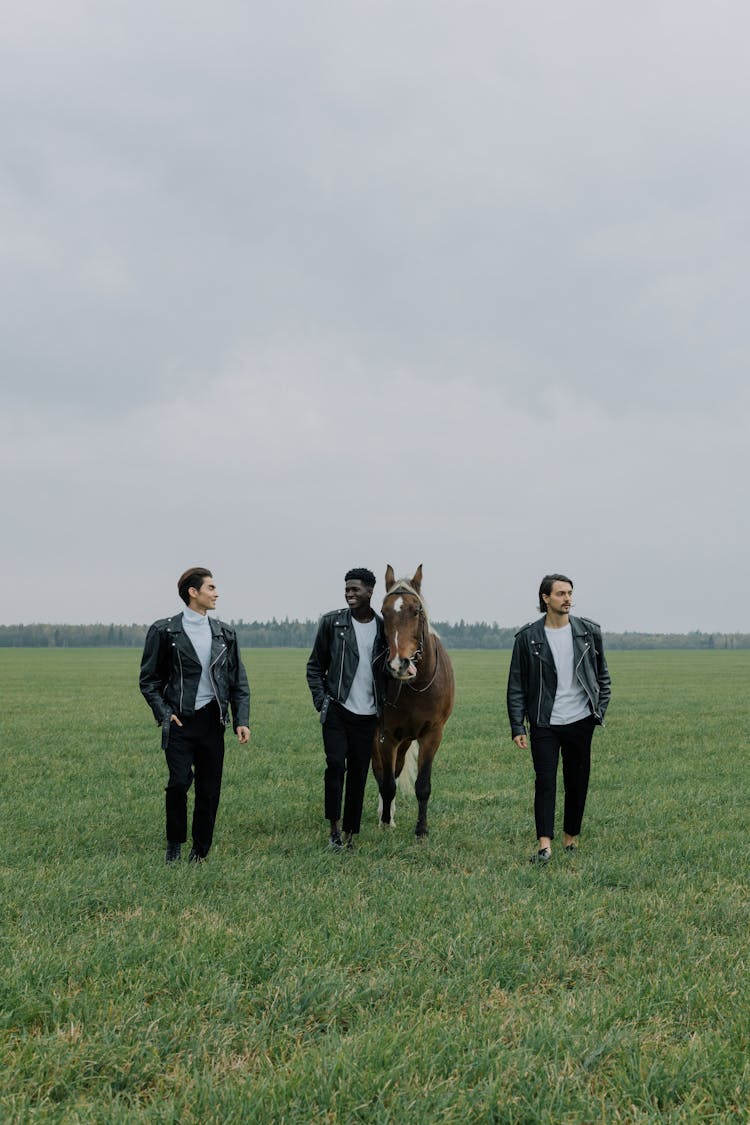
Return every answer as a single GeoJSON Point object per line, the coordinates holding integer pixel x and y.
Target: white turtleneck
{"type": "Point", "coordinates": [198, 632]}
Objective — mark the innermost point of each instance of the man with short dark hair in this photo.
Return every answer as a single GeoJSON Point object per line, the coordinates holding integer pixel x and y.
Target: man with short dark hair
{"type": "Point", "coordinates": [559, 682]}
{"type": "Point", "coordinates": [191, 673]}
{"type": "Point", "coordinates": [345, 673]}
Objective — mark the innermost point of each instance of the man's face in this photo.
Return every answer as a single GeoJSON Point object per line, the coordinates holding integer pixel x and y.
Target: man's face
{"type": "Point", "coordinates": [204, 599]}
{"type": "Point", "coordinates": [357, 594]}
{"type": "Point", "coordinates": [560, 599]}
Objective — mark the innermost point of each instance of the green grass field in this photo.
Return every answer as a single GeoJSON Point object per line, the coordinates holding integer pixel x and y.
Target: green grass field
{"type": "Point", "coordinates": [445, 981]}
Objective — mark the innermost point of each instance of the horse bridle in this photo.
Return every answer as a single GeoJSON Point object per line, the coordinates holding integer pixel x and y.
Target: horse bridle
{"type": "Point", "coordinates": [415, 659]}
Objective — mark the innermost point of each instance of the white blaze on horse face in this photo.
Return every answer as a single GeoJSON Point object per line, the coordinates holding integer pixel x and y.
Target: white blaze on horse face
{"type": "Point", "coordinates": [401, 663]}
{"type": "Point", "coordinates": [396, 607]}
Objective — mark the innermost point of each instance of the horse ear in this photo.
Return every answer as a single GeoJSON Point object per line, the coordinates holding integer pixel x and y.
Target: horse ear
{"type": "Point", "coordinates": [417, 579]}
{"type": "Point", "coordinates": [390, 578]}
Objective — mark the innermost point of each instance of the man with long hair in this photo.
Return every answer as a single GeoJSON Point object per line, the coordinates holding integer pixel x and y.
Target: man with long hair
{"type": "Point", "coordinates": [558, 683]}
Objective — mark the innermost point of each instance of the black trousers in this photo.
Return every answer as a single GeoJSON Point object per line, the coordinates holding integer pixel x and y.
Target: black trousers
{"type": "Point", "coordinates": [347, 740]}
{"type": "Point", "coordinates": [195, 750]}
{"type": "Point", "coordinates": [574, 742]}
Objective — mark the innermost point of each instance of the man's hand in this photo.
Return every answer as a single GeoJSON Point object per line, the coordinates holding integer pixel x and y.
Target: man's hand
{"type": "Point", "coordinates": [243, 735]}
{"type": "Point", "coordinates": [174, 719]}
{"type": "Point", "coordinates": [520, 741]}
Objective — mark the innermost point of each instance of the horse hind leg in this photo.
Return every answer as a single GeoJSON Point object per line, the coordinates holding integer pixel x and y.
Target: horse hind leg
{"type": "Point", "coordinates": [423, 788]}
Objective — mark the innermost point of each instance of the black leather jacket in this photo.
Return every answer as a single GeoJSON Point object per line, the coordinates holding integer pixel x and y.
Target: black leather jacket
{"type": "Point", "coordinates": [532, 680]}
{"type": "Point", "coordinates": [171, 671]}
{"type": "Point", "coordinates": [335, 658]}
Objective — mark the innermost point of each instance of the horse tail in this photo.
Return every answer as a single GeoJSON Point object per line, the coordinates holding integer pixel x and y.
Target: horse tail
{"type": "Point", "coordinates": [408, 774]}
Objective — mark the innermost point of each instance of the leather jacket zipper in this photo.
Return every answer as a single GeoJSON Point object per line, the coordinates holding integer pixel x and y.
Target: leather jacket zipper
{"type": "Point", "coordinates": [213, 683]}
{"type": "Point", "coordinates": [581, 680]}
{"type": "Point", "coordinates": [373, 662]}
{"type": "Point", "coordinates": [541, 685]}
{"type": "Point", "coordinates": [341, 670]}
{"type": "Point", "coordinates": [179, 661]}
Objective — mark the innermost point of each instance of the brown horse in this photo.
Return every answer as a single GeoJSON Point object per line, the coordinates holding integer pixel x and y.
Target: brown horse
{"type": "Point", "coordinates": [418, 697]}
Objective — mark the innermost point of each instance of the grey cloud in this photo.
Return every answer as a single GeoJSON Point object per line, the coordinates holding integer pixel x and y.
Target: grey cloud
{"type": "Point", "coordinates": [276, 223]}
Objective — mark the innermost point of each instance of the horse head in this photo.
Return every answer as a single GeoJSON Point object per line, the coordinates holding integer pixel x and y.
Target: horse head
{"type": "Point", "coordinates": [405, 623]}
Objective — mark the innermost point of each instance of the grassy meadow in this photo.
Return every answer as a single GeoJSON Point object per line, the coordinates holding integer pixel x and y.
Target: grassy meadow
{"type": "Point", "coordinates": [436, 982]}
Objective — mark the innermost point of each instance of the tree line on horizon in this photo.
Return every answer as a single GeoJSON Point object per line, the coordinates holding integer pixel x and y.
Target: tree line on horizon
{"type": "Point", "coordinates": [300, 634]}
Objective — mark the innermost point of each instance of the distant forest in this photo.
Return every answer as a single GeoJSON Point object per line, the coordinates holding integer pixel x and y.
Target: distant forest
{"type": "Point", "coordinates": [300, 634]}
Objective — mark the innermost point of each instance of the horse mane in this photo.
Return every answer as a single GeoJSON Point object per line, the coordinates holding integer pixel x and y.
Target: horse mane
{"type": "Point", "coordinates": [404, 586]}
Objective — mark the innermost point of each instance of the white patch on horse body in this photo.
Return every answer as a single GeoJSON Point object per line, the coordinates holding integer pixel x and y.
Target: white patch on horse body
{"type": "Point", "coordinates": [398, 604]}
{"type": "Point", "coordinates": [407, 777]}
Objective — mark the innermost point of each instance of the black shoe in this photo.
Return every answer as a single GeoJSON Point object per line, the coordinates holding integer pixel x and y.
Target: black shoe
{"type": "Point", "coordinates": [571, 849]}
{"type": "Point", "coordinates": [350, 843]}
{"type": "Point", "coordinates": [544, 855]}
{"type": "Point", "coordinates": [195, 857]}
{"type": "Point", "coordinates": [174, 852]}
{"type": "Point", "coordinates": [335, 843]}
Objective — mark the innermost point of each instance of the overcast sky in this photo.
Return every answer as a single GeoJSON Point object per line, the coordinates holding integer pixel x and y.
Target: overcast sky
{"type": "Point", "coordinates": [296, 287]}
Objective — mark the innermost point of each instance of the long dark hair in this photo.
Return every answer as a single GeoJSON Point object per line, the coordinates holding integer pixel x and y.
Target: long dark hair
{"type": "Point", "coordinates": [546, 585]}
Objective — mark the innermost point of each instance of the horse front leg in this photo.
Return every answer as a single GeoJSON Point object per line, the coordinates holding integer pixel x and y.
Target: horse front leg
{"type": "Point", "coordinates": [382, 768]}
{"type": "Point", "coordinates": [428, 746]}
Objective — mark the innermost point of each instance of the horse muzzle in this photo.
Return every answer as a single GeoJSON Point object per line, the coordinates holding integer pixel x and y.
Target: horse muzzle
{"type": "Point", "coordinates": [401, 668]}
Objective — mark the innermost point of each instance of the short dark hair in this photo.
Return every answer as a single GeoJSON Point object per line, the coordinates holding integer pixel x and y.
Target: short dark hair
{"type": "Point", "coordinates": [361, 574]}
{"type": "Point", "coordinates": [192, 578]}
{"type": "Point", "coordinates": [546, 587]}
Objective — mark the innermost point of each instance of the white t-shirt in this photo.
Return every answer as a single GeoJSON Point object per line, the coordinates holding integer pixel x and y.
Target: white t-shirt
{"type": "Point", "coordinates": [361, 697]}
{"type": "Point", "coordinates": [571, 702]}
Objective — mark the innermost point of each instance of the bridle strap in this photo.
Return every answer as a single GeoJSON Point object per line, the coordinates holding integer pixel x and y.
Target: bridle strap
{"type": "Point", "coordinates": [417, 657]}
{"type": "Point", "coordinates": [394, 593]}
{"type": "Point", "coordinates": [419, 690]}
{"type": "Point", "coordinates": [416, 690]}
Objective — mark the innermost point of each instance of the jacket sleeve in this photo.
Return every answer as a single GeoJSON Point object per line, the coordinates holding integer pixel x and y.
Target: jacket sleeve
{"type": "Point", "coordinates": [516, 697]}
{"type": "Point", "coordinates": [602, 675]}
{"type": "Point", "coordinates": [154, 674]}
{"type": "Point", "coordinates": [317, 665]}
{"type": "Point", "coordinates": [239, 688]}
